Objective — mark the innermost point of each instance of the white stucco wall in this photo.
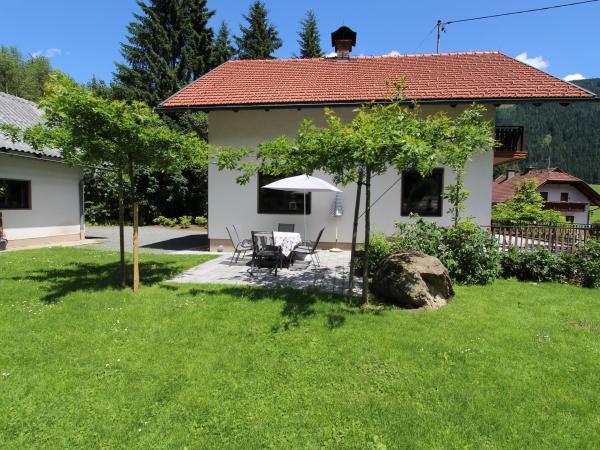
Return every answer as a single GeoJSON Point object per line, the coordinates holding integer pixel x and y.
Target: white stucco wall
{"type": "Point", "coordinates": [575, 195]}
{"type": "Point", "coordinates": [230, 203]}
{"type": "Point", "coordinates": [55, 205]}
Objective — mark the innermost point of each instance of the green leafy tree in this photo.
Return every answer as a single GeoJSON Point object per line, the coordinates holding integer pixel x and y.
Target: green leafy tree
{"type": "Point", "coordinates": [223, 51]}
{"type": "Point", "coordinates": [23, 77]}
{"type": "Point", "coordinates": [525, 206]}
{"type": "Point", "coordinates": [459, 139]}
{"type": "Point", "coordinates": [259, 39]}
{"type": "Point", "coordinates": [310, 38]}
{"type": "Point", "coordinates": [126, 137]}
{"type": "Point", "coordinates": [168, 45]}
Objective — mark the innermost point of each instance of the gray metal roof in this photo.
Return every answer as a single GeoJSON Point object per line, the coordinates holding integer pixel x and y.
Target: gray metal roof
{"type": "Point", "coordinates": [23, 114]}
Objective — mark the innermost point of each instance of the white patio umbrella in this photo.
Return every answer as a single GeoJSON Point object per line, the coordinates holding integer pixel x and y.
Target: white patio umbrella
{"type": "Point", "coordinates": [304, 184]}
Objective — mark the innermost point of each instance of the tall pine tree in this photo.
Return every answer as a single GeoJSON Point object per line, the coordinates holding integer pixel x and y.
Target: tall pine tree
{"type": "Point", "coordinates": [259, 39]}
{"type": "Point", "coordinates": [169, 44]}
{"type": "Point", "coordinates": [222, 49]}
{"type": "Point", "coordinates": [310, 39]}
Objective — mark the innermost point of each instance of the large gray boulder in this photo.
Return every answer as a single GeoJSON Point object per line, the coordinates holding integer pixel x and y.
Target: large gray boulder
{"type": "Point", "coordinates": [413, 280]}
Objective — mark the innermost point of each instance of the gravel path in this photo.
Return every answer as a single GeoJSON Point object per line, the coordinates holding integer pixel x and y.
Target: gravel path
{"type": "Point", "coordinates": [152, 239]}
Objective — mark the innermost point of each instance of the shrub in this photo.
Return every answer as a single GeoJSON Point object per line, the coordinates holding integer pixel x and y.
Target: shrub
{"type": "Point", "coordinates": [538, 265]}
{"type": "Point", "coordinates": [379, 249]}
{"type": "Point", "coordinates": [185, 221]}
{"type": "Point", "coordinates": [471, 254]}
{"type": "Point", "coordinates": [588, 264]}
{"type": "Point", "coordinates": [468, 252]}
{"type": "Point", "coordinates": [165, 221]}
{"type": "Point", "coordinates": [201, 221]}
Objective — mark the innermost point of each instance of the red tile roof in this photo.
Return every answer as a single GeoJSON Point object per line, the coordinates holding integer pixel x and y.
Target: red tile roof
{"type": "Point", "coordinates": [503, 187]}
{"type": "Point", "coordinates": [431, 77]}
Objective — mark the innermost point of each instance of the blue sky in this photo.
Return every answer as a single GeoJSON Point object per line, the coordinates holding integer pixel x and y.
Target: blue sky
{"type": "Point", "coordinates": [82, 37]}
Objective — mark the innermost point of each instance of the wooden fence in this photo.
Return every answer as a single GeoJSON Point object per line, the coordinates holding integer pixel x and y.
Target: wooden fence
{"type": "Point", "coordinates": [556, 238]}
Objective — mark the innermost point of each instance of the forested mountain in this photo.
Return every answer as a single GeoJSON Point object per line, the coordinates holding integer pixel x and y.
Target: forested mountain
{"type": "Point", "coordinates": [560, 136]}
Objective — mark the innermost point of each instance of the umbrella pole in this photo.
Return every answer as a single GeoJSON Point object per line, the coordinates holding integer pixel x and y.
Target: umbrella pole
{"type": "Point", "coordinates": [305, 232]}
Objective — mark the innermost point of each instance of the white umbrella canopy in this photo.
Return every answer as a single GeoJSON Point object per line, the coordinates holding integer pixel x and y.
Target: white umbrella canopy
{"type": "Point", "coordinates": [302, 183]}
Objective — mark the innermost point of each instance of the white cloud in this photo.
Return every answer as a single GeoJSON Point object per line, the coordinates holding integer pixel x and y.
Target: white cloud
{"type": "Point", "coordinates": [331, 55]}
{"type": "Point", "coordinates": [48, 53]}
{"type": "Point", "coordinates": [537, 61]}
{"type": "Point", "coordinates": [393, 53]}
{"type": "Point", "coordinates": [574, 77]}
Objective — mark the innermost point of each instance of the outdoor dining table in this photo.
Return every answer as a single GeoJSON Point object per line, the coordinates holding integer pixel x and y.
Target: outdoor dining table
{"type": "Point", "coordinates": [286, 241]}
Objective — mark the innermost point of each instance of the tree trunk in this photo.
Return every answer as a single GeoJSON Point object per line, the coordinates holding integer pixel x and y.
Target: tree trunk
{"type": "Point", "coordinates": [136, 249]}
{"type": "Point", "coordinates": [122, 280]}
{"type": "Point", "coordinates": [365, 287]}
{"type": "Point", "coordinates": [457, 197]}
{"type": "Point", "coordinates": [354, 232]}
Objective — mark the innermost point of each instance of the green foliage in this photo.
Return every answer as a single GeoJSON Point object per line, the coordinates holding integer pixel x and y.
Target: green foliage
{"type": "Point", "coordinates": [259, 39]}
{"type": "Point", "coordinates": [580, 267]}
{"type": "Point", "coordinates": [588, 258]}
{"type": "Point", "coordinates": [185, 221]}
{"type": "Point", "coordinates": [526, 206]}
{"type": "Point", "coordinates": [309, 37]}
{"type": "Point", "coordinates": [169, 44]}
{"type": "Point", "coordinates": [469, 253]}
{"type": "Point", "coordinates": [23, 77]}
{"type": "Point", "coordinates": [201, 221]}
{"type": "Point", "coordinates": [223, 51]}
{"type": "Point", "coordinates": [595, 210]}
{"type": "Point", "coordinates": [165, 221]}
{"type": "Point", "coordinates": [379, 249]}
{"type": "Point", "coordinates": [565, 137]}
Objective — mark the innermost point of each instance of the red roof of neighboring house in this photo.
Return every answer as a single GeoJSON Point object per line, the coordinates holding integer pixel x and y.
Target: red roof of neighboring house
{"type": "Point", "coordinates": [431, 77]}
{"type": "Point", "coordinates": [503, 187]}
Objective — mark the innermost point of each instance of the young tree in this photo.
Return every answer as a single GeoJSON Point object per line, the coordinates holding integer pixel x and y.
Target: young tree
{"type": "Point", "coordinates": [169, 44]}
{"type": "Point", "coordinates": [112, 134]}
{"type": "Point", "coordinates": [223, 51]}
{"type": "Point", "coordinates": [310, 38]}
{"type": "Point", "coordinates": [259, 39]}
{"type": "Point", "coordinates": [525, 206]}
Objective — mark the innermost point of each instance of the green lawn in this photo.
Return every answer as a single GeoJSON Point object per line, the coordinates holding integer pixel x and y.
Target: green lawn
{"type": "Point", "coordinates": [595, 216]}
{"type": "Point", "coordinates": [82, 365]}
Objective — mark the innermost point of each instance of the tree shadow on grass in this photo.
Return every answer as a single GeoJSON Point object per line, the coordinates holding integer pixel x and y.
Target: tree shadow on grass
{"type": "Point", "coordinates": [80, 276]}
{"type": "Point", "coordinates": [298, 304]}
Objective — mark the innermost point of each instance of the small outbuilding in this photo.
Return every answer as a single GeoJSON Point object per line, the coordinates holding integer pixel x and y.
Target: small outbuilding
{"type": "Point", "coordinates": [41, 197]}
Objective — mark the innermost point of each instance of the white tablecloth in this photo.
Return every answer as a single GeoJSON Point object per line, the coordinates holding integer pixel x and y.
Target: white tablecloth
{"type": "Point", "coordinates": [287, 241]}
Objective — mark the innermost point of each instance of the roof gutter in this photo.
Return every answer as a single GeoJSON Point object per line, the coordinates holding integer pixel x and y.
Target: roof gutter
{"type": "Point", "coordinates": [355, 103]}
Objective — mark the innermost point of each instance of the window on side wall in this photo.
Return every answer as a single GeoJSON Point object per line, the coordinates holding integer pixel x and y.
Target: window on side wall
{"type": "Point", "coordinates": [570, 219]}
{"type": "Point", "coordinates": [564, 196]}
{"type": "Point", "coordinates": [422, 195]}
{"type": "Point", "coordinates": [15, 194]}
{"type": "Point", "coordinates": [271, 201]}
{"type": "Point", "coordinates": [544, 196]}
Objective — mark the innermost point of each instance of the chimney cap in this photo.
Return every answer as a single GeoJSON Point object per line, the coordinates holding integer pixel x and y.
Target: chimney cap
{"type": "Point", "coordinates": [343, 33]}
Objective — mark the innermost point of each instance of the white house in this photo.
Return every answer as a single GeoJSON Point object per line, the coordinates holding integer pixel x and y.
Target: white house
{"type": "Point", "coordinates": [42, 199]}
{"type": "Point", "coordinates": [562, 192]}
{"type": "Point", "coordinates": [251, 101]}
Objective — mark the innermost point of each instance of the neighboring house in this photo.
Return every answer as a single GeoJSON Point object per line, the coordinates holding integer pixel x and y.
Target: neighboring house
{"type": "Point", "coordinates": [250, 101]}
{"type": "Point", "coordinates": [562, 192]}
{"type": "Point", "coordinates": [42, 201]}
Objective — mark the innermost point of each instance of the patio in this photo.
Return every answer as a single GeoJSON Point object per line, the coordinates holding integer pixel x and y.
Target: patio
{"type": "Point", "coordinates": [331, 276]}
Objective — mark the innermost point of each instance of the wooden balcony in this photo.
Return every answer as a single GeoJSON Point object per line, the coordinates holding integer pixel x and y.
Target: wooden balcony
{"type": "Point", "coordinates": [510, 145]}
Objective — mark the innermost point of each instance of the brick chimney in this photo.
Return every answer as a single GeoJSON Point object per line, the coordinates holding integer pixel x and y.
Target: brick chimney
{"type": "Point", "coordinates": [343, 39]}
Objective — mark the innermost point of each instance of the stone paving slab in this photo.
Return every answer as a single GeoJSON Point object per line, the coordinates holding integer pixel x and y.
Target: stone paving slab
{"type": "Point", "coordinates": [331, 276]}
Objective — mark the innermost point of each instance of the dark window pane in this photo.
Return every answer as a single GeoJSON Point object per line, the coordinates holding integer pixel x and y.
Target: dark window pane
{"type": "Point", "coordinates": [564, 196]}
{"type": "Point", "coordinates": [422, 195]}
{"type": "Point", "coordinates": [15, 194]}
{"type": "Point", "coordinates": [544, 196]}
{"type": "Point", "coordinates": [570, 219]}
{"type": "Point", "coordinates": [271, 201]}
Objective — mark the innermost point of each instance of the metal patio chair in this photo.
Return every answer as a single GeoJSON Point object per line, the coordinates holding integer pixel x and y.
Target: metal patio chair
{"type": "Point", "coordinates": [265, 253]}
{"type": "Point", "coordinates": [286, 227]}
{"type": "Point", "coordinates": [310, 248]}
{"type": "Point", "coordinates": [240, 247]}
